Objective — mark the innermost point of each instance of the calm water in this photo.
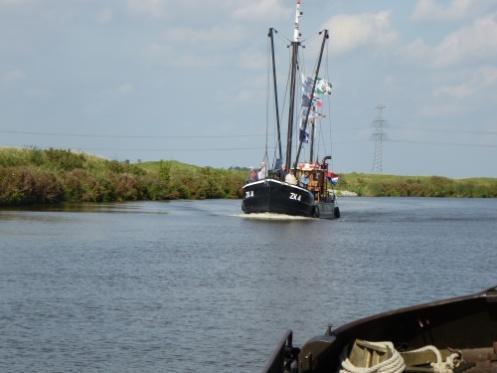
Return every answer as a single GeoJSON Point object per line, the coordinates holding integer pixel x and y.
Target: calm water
{"type": "Point", "coordinates": [192, 286]}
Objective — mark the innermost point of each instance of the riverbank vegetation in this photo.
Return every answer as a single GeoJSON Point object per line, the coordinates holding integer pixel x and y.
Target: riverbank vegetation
{"type": "Point", "coordinates": [33, 176]}
{"type": "Point", "coordinates": [374, 185]}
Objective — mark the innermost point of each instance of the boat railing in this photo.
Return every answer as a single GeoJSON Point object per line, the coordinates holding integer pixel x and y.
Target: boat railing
{"type": "Point", "coordinates": [283, 355]}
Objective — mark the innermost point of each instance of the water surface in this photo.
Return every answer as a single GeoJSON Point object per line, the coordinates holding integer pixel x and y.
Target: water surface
{"type": "Point", "coordinates": [194, 286]}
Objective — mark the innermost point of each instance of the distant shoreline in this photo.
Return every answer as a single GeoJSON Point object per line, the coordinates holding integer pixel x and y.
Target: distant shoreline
{"type": "Point", "coordinates": [36, 177]}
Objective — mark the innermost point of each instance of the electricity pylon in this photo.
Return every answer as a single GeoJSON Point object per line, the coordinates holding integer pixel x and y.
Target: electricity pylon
{"type": "Point", "coordinates": [378, 137]}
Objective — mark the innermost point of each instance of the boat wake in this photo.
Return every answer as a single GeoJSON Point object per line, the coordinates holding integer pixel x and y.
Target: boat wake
{"type": "Point", "coordinates": [272, 216]}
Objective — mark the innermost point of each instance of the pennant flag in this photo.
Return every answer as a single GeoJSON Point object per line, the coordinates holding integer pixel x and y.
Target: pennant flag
{"type": "Point", "coordinates": [303, 136]}
{"type": "Point", "coordinates": [318, 102]}
{"type": "Point", "coordinates": [307, 85]}
{"type": "Point", "coordinates": [323, 87]}
{"type": "Point", "coordinates": [306, 101]}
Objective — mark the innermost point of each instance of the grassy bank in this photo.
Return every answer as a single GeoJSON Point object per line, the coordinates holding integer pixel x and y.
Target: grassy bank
{"type": "Point", "coordinates": [374, 185]}
{"type": "Point", "coordinates": [31, 176]}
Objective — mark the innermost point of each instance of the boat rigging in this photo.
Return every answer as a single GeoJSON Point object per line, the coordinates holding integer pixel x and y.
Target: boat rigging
{"type": "Point", "coordinates": [294, 188]}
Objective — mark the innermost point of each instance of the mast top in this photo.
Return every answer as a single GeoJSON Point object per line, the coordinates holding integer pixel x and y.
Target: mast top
{"type": "Point", "coordinates": [296, 26]}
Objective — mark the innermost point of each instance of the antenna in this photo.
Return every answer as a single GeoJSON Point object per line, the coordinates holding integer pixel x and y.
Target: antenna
{"type": "Point", "coordinates": [378, 137]}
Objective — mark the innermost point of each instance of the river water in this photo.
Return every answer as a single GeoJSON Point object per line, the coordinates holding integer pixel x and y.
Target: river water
{"type": "Point", "coordinates": [195, 286]}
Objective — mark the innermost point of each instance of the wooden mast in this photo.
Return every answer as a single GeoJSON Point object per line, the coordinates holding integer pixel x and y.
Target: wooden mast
{"type": "Point", "coordinates": [304, 127]}
{"type": "Point", "coordinates": [291, 109]}
{"type": "Point", "coordinates": [275, 87]}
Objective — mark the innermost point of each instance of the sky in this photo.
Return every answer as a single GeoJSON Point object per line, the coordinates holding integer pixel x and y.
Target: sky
{"type": "Point", "coordinates": [187, 80]}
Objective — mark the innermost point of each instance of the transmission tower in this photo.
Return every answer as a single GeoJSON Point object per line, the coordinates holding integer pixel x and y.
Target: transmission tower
{"type": "Point", "coordinates": [378, 137]}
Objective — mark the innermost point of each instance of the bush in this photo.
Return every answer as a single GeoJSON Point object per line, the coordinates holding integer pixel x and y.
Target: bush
{"type": "Point", "coordinates": [24, 185]}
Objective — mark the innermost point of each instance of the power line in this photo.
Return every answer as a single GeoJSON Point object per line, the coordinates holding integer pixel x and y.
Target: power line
{"type": "Point", "coordinates": [83, 148]}
{"type": "Point", "coordinates": [442, 130]}
{"type": "Point", "coordinates": [443, 143]}
{"type": "Point", "coordinates": [87, 135]}
{"type": "Point", "coordinates": [420, 129]}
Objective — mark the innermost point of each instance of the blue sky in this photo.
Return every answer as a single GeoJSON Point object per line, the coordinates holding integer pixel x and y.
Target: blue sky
{"type": "Point", "coordinates": [186, 80]}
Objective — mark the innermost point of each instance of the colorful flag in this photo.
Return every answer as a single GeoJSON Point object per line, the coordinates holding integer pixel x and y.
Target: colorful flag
{"type": "Point", "coordinates": [303, 135]}
{"type": "Point", "coordinates": [332, 177]}
{"type": "Point", "coordinates": [323, 87]}
{"type": "Point", "coordinates": [306, 101]}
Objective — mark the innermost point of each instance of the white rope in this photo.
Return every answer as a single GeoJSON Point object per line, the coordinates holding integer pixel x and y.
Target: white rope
{"type": "Point", "coordinates": [395, 364]}
{"type": "Point", "coordinates": [447, 366]}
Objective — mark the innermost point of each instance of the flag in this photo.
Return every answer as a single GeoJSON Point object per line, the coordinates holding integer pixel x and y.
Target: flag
{"type": "Point", "coordinates": [323, 87]}
{"type": "Point", "coordinates": [307, 85]}
{"type": "Point", "coordinates": [303, 135]}
{"type": "Point", "coordinates": [332, 177]}
{"type": "Point", "coordinates": [318, 103]}
{"type": "Point", "coordinates": [306, 101]}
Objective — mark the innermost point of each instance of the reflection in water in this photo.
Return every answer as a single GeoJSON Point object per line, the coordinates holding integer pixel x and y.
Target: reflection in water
{"type": "Point", "coordinates": [199, 286]}
{"type": "Point", "coordinates": [110, 207]}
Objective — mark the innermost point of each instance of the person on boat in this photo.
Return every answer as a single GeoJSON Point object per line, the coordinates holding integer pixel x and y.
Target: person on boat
{"type": "Point", "coordinates": [282, 172]}
{"type": "Point", "coordinates": [252, 175]}
{"type": "Point", "coordinates": [290, 178]}
{"type": "Point", "coordinates": [262, 174]}
{"type": "Point", "coordinates": [304, 180]}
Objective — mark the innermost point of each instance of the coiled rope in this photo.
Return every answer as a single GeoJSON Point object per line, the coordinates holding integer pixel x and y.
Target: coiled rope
{"type": "Point", "coordinates": [396, 364]}
{"type": "Point", "coordinates": [440, 366]}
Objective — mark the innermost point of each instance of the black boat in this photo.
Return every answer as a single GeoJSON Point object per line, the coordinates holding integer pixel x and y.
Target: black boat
{"type": "Point", "coordinates": [294, 187]}
{"type": "Point", "coordinates": [454, 335]}
{"type": "Point", "coordinates": [275, 196]}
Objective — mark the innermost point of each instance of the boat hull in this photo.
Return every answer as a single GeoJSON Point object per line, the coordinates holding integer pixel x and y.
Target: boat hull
{"type": "Point", "coordinates": [468, 324]}
{"type": "Point", "coordinates": [274, 196]}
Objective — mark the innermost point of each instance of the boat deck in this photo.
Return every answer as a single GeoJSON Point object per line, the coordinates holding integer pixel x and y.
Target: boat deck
{"type": "Point", "coordinates": [484, 360]}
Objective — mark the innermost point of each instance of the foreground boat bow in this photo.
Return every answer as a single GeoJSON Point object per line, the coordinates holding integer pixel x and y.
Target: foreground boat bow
{"type": "Point", "coordinates": [467, 325]}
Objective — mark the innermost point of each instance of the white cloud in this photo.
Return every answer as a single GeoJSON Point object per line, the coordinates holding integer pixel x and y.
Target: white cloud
{"type": "Point", "coordinates": [125, 88]}
{"type": "Point", "coordinates": [214, 37]}
{"type": "Point", "coordinates": [248, 10]}
{"type": "Point", "coordinates": [153, 8]}
{"type": "Point", "coordinates": [252, 59]}
{"type": "Point", "coordinates": [251, 89]}
{"type": "Point", "coordinates": [169, 55]}
{"type": "Point", "coordinates": [260, 9]}
{"type": "Point", "coordinates": [104, 16]}
{"type": "Point", "coordinates": [12, 75]}
{"type": "Point", "coordinates": [197, 47]}
{"type": "Point", "coordinates": [478, 82]}
{"type": "Point", "coordinates": [358, 30]}
{"type": "Point", "coordinates": [432, 10]}
{"type": "Point", "coordinates": [474, 43]}
{"type": "Point", "coordinates": [15, 2]}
